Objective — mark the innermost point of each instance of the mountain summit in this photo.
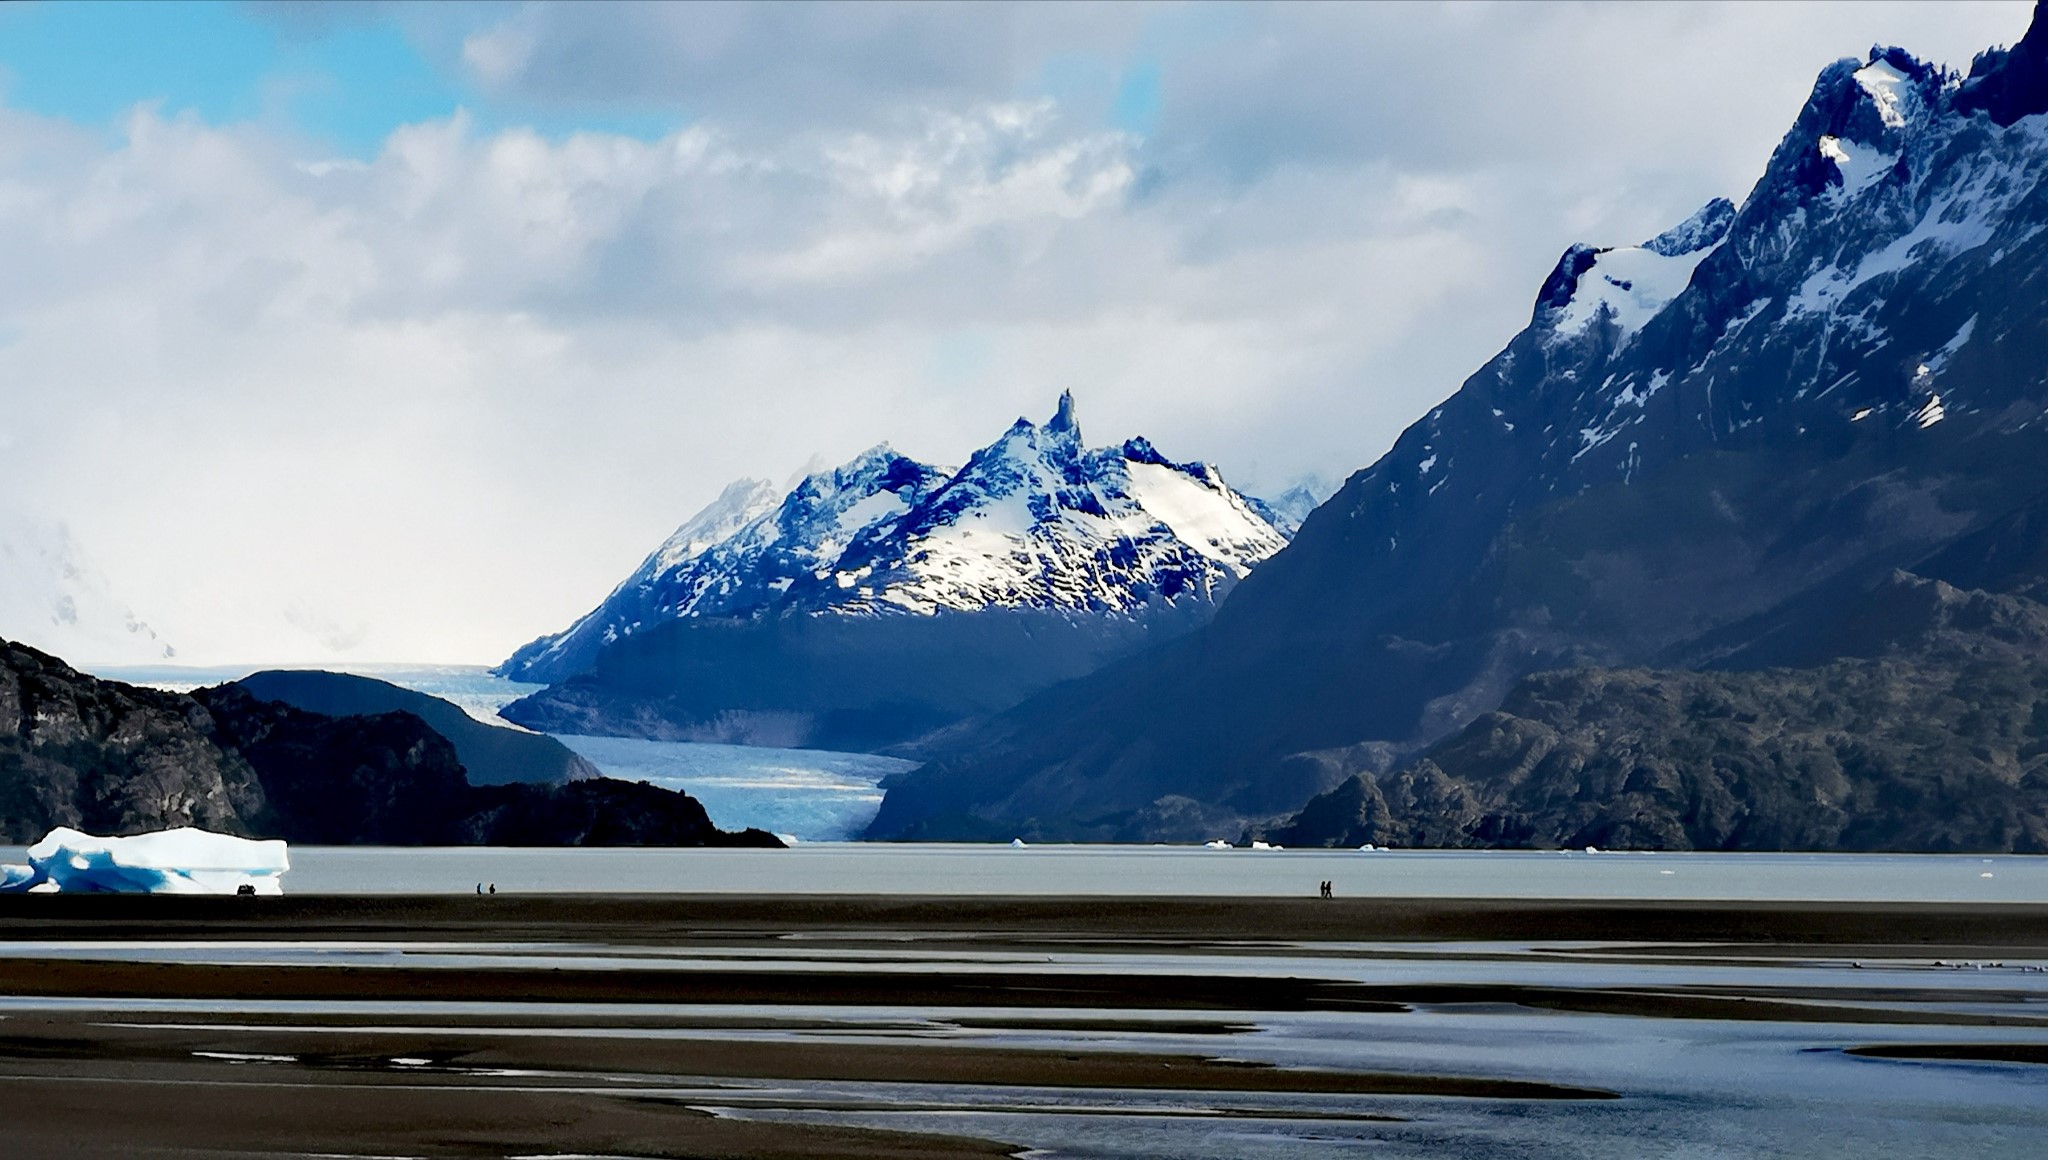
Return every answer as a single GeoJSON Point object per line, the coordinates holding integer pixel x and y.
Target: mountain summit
{"type": "Point", "coordinates": [1042, 557]}
{"type": "Point", "coordinates": [1696, 447]}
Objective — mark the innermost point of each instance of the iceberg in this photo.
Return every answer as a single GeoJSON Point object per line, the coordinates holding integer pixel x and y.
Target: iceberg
{"type": "Point", "coordinates": [181, 861]}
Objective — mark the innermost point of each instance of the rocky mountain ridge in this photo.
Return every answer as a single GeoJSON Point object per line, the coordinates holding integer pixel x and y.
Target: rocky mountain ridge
{"type": "Point", "coordinates": [1696, 445]}
{"type": "Point", "coordinates": [887, 598]}
{"type": "Point", "coordinates": [1036, 521]}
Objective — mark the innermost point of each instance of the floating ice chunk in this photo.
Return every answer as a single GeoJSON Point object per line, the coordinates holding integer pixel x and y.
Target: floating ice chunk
{"type": "Point", "coordinates": [14, 877]}
{"type": "Point", "coordinates": [1267, 846]}
{"type": "Point", "coordinates": [1218, 844]}
{"type": "Point", "coordinates": [1016, 843]}
{"type": "Point", "coordinates": [180, 861]}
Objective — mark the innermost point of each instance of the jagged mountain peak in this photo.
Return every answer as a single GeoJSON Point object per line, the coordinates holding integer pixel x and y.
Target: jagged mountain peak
{"type": "Point", "coordinates": [2010, 83]}
{"type": "Point", "coordinates": [1705, 228]}
{"type": "Point", "coordinates": [742, 501]}
{"type": "Point", "coordinates": [1063, 419]}
{"type": "Point", "coordinates": [1035, 520]}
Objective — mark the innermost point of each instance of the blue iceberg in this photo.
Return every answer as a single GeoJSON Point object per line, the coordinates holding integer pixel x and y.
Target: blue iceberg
{"type": "Point", "coordinates": [180, 861]}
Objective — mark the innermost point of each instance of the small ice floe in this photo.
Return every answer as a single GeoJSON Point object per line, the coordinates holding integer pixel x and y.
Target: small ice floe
{"type": "Point", "coordinates": [1367, 848]}
{"type": "Point", "coordinates": [180, 861]}
{"type": "Point", "coordinates": [1986, 874]}
{"type": "Point", "coordinates": [1017, 844]}
{"type": "Point", "coordinates": [1592, 849]}
{"type": "Point", "coordinates": [1266, 846]}
{"type": "Point", "coordinates": [1218, 844]}
{"type": "Point", "coordinates": [244, 1057]}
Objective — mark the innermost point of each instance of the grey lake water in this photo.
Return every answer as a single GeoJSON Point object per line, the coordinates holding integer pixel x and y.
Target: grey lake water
{"type": "Point", "coordinates": [962, 869]}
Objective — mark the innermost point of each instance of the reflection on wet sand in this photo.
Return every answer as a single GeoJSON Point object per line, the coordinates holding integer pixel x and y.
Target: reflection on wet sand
{"type": "Point", "coordinates": [694, 1027]}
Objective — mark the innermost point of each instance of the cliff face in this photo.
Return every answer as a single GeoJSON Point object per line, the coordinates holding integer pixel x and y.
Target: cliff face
{"type": "Point", "coordinates": [111, 758]}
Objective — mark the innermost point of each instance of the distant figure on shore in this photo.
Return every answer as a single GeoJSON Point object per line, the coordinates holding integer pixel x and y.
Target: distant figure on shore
{"type": "Point", "coordinates": [1325, 890]}
{"type": "Point", "coordinates": [494, 888]}
{"type": "Point", "coordinates": [479, 888]}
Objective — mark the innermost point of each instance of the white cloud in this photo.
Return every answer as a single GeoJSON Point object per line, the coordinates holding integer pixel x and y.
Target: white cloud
{"type": "Point", "coordinates": [430, 404]}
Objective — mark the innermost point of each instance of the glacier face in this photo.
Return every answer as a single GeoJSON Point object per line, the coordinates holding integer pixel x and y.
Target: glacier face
{"type": "Point", "coordinates": [1036, 521]}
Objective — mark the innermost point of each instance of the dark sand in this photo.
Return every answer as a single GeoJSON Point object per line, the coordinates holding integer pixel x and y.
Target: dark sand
{"type": "Point", "coordinates": [636, 1083]}
{"type": "Point", "coordinates": [1964, 1052]}
{"type": "Point", "coordinates": [1873, 929]}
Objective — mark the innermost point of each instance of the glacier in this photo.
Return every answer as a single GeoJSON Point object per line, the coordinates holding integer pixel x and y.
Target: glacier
{"type": "Point", "coordinates": [811, 795]}
{"type": "Point", "coordinates": [185, 860]}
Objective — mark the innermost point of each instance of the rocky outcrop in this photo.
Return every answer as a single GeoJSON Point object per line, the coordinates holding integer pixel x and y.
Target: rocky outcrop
{"type": "Point", "coordinates": [1932, 737]}
{"type": "Point", "coordinates": [110, 758]}
{"type": "Point", "coordinates": [114, 759]}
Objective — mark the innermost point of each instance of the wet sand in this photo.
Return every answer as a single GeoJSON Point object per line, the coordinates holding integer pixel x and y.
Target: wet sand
{"type": "Point", "coordinates": [697, 1021]}
{"type": "Point", "coordinates": [1876, 928]}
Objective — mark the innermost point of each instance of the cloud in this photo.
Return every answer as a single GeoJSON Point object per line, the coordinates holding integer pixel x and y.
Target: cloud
{"type": "Point", "coordinates": [800, 63]}
{"type": "Point", "coordinates": [428, 402]}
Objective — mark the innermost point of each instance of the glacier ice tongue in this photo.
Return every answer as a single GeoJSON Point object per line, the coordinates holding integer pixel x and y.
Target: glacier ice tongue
{"type": "Point", "coordinates": [180, 861]}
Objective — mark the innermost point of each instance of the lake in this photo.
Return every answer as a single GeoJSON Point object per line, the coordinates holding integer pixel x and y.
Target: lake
{"type": "Point", "coordinates": [1136, 871]}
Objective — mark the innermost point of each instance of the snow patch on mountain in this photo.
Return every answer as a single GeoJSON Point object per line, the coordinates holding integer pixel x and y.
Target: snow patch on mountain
{"type": "Point", "coordinates": [1889, 89]}
{"type": "Point", "coordinates": [1286, 509]}
{"type": "Point", "coordinates": [53, 598]}
{"type": "Point", "coordinates": [1630, 285]}
{"type": "Point", "coordinates": [1036, 520]}
{"type": "Point", "coordinates": [741, 503]}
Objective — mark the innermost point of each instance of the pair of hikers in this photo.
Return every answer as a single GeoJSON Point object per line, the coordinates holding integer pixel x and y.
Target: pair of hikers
{"type": "Point", "coordinates": [1326, 892]}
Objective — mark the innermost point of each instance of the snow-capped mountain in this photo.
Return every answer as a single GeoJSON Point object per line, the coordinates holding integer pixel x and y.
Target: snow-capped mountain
{"type": "Point", "coordinates": [1698, 445]}
{"type": "Point", "coordinates": [54, 599]}
{"type": "Point", "coordinates": [1036, 521]}
{"type": "Point", "coordinates": [1286, 510]}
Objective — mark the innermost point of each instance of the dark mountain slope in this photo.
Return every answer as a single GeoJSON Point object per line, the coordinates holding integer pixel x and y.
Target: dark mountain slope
{"type": "Point", "coordinates": [490, 755]}
{"type": "Point", "coordinates": [1934, 737]}
{"type": "Point", "coordinates": [1769, 404]}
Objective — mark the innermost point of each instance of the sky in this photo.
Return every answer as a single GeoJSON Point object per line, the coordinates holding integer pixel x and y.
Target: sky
{"type": "Point", "coordinates": [392, 332]}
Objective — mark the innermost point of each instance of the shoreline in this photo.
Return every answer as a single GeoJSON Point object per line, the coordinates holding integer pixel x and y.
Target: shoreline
{"type": "Point", "coordinates": [689, 918]}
